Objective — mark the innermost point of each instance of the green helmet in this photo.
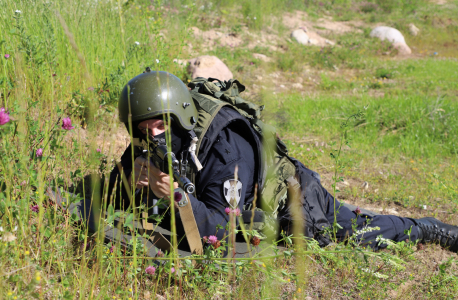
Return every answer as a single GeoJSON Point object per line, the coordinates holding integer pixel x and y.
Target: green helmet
{"type": "Point", "coordinates": [155, 93]}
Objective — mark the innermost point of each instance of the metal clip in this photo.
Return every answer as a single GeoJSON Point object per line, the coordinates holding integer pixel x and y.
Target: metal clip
{"type": "Point", "coordinates": [183, 202]}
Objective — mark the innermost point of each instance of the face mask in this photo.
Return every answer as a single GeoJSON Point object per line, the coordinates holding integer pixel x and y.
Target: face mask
{"type": "Point", "coordinates": [177, 140]}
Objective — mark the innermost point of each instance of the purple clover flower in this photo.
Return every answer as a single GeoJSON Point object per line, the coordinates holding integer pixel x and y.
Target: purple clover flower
{"type": "Point", "coordinates": [99, 150]}
{"type": "Point", "coordinates": [150, 270]}
{"type": "Point", "coordinates": [4, 116]}
{"type": "Point", "coordinates": [7, 56]}
{"type": "Point", "coordinates": [235, 211]}
{"type": "Point", "coordinates": [35, 208]}
{"type": "Point", "coordinates": [212, 240]}
{"type": "Point", "coordinates": [39, 152]}
{"type": "Point", "coordinates": [177, 196]}
{"type": "Point", "coordinates": [67, 124]}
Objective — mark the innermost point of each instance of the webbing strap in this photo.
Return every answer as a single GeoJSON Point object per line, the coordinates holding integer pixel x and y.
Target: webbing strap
{"type": "Point", "coordinates": [190, 226]}
{"type": "Point", "coordinates": [156, 237]}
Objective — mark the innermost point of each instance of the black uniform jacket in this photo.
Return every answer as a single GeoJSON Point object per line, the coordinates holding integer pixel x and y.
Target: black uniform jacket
{"type": "Point", "coordinates": [232, 149]}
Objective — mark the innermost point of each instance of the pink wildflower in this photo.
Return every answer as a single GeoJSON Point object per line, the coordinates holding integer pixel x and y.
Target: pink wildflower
{"type": "Point", "coordinates": [150, 270]}
{"type": "Point", "coordinates": [172, 270]}
{"type": "Point", "coordinates": [4, 116]}
{"type": "Point", "coordinates": [7, 56]}
{"type": "Point", "coordinates": [205, 239]}
{"type": "Point", "coordinates": [39, 152]}
{"type": "Point", "coordinates": [34, 208]}
{"type": "Point", "coordinates": [236, 212]}
{"type": "Point", "coordinates": [177, 196]}
{"type": "Point", "coordinates": [99, 150]}
{"type": "Point", "coordinates": [67, 124]}
{"type": "Point", "coordinates": [228, 210]}
{"type": "Point", "coordinates": [160, 254]}
{"type": "Point", "coordinates": [112, 249]}
{"type": "Point", "coordinates": [212, 240]}
{"type": "Point", "coordinates": [357, 210]}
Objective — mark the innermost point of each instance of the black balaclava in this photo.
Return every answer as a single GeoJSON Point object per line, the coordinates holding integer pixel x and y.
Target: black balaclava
{"type": "Point", "coordinates": [177, 134]}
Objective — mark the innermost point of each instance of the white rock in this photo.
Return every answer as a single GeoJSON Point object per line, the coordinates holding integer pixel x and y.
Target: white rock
{"type": "Point", "coordinates": [297, 86]}
{"type": "Point", "coordinates": [403, 49]}
{"type": "Point", "coordinates": [300, 36]}
{"type": "Point", "coordinates": [209, 66]}
{"type": "Point", "coordinates": [413, 29]}
{"type": "Point", "coordinates": [392, 35]}
{"type": "Point", "coordinates": [388, 33]}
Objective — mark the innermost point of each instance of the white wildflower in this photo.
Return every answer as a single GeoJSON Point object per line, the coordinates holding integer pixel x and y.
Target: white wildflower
{"type": "Point", "coordinates": [157, 60]}
{"type": "Point", "coordinates": [8, 237]}
{"type": "Point", "coordinates": [376, 274]}
{"type": "Point", "coordinates": [366, 230]}
{"type": "Point", "coordinates": [254, 18]}
{"type": "Point", "coordinates": [382, 240]}
{"type": "Point", "coordinates": [18, 11]}
{"type": "Point", "coordinates": [1, 228]}
{"type": "Point", "coordinates": [202, 7]}
{"type": "Point", "coordinates": [137, 43]}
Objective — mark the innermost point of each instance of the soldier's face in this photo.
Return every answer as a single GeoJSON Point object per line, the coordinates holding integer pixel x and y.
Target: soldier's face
{"type": "Point", "coordinates": [152, 127]}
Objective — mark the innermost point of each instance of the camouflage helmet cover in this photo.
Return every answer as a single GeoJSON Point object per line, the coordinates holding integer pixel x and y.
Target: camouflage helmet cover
{"type": "Point", "coordinates": [154, 94]}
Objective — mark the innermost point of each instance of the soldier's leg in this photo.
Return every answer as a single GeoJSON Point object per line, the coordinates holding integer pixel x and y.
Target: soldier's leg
{"type": "Point", "coordinates": [391, 227]}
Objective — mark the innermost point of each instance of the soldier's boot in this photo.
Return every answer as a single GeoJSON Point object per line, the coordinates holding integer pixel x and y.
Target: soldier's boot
{"type": "Point", "coordinates": [431, 230]}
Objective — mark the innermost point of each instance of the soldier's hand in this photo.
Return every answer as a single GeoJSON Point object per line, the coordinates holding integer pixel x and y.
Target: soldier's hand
{"type": "Point", "coordinates": [158, 181]}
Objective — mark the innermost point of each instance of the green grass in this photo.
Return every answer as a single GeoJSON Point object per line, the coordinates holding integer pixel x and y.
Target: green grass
{"type": "Point", "coordinates": [404, 146]}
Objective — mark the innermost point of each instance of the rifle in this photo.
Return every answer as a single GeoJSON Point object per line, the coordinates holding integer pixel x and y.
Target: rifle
{"type": "Point", "coordinates": [157, 152]}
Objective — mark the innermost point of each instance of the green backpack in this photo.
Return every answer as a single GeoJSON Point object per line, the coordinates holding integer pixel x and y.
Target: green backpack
{"type": "Point", "coordinates": [210, 97]}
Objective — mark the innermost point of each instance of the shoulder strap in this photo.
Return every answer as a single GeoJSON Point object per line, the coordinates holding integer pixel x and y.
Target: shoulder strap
{"type": "Point", "coordinates": [207, 108]}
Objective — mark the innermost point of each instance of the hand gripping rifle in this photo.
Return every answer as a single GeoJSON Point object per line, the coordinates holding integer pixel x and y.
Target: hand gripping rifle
{"type": "Point", "coordinates": [157, 152]}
